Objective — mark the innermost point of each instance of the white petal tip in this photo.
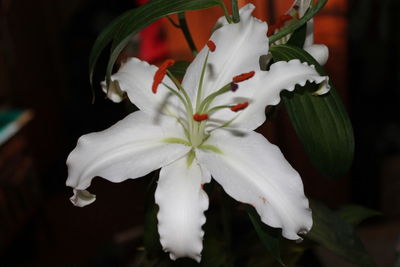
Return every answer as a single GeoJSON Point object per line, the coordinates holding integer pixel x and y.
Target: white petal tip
{"type": "Point", "coordinates": [319, 52]}
{"type": "Point", "coordinates": [197, 258]}
{"type": "Point", "coordinates": [324, 87]}
{"type": "Point", "coordinates": [82, 198]}
{"type": "Point", "coordinates": [114, 92]}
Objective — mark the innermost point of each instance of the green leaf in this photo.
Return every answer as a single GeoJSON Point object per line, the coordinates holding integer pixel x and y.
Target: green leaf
{"type": "Point", "coordinates": [179, 69]}
{"type": "Point", "coordinates": [151, 238]}
{"type": "Point", "coordinates": [355, 214]}
{"type": "Point", "coordinates": [104, 38]}
{"type": "Point", "coordinates": [298, 37]}
{"type": "Point", "coordinates": [132, 21]}
{"type": "Point", "coordinates": [334, 233]}
{"type": "Point", "coordinates": [268, 236]}
{"type": "Point", "coordinates": [321, 122]}
{"type": "Point", "coordinates": [312, 11]}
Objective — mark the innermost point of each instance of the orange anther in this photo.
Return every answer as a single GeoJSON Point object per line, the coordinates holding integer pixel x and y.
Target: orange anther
{"type": "Point", "coordinates": [200, 117]}
{"type": "Point", "coordinates": [160, 74]}
{"type": "Point", "coordinates": [279, 24]}
{"type": "Point", "coordinates": [242, 77]}
{"type": "Point", "coordinates": [211, 45]}
{"type": "Point", "coordinates": [240, 106]}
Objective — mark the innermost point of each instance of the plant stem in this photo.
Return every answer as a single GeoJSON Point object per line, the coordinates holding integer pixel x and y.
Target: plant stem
{"type": "Point", "coordinates": [226, 13]}
{"type": "Point", "coordinates": [235, 11]}
{"type": "Point", "coordinates": [176, 25]}
{"type": "Point", "coordinates": [185, 29]}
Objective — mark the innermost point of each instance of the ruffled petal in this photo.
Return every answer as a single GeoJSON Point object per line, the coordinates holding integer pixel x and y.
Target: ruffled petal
{"type": "Point", "coordinates": [263, 90]}
{"type": "Point", "coordinates": [182, 203]}
{"type": "Point", "coordinates": [238, 49]}
{"type": "Point", "coordinates": [131, 148]}
{"type": "Point", "coordinates": [253, 171]}
{"type": "Point", "coordinates": [135, 78]}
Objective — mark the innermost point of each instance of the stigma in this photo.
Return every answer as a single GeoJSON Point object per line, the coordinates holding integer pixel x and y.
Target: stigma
{"type": "Point", "coordinates": [200, 117]}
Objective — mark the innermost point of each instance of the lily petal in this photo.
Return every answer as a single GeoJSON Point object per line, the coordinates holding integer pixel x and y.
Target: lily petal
{"type": "Point", "coordinates": [182, 203]}
{"type": "Point", "coordinates": [253, 171]}
{"type": "Point", "coordinates": [319, 52]}
{"type": "Point", "coordinates": [131, 148]}
{"type": "Point", "coordinates": [265, 88]}
{"type": "Point", "coordinates": [135, 77]}
{"type": "Point", "coordinates": [238, 49]}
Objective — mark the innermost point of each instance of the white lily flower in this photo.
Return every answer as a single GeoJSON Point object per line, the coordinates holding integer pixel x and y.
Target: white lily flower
{"type": "Point", "coordinates": [202, 128]}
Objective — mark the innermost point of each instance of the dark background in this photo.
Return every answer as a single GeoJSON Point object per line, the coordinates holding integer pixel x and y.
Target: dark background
{"type": "Point", "coordinates": [44, 50]}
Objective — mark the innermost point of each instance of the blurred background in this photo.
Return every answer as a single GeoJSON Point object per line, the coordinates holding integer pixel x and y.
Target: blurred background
{"type": "Point", "coordinates": [46, 104]}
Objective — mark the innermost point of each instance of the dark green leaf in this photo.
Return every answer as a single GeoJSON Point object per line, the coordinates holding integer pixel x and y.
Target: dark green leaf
{"type": "Point", "coordinates": [334, 233]}
{"type": "Point", "coordinates": [132, 21]}
{"type": "Point", "coordinates": [355, 214]}
{"type": "Point", "coordinates": [294, 26]}
{"type": "Point", "coordinates": [268, 236]}
{"type": "Point", "coordinates": [179, 69]}
{"type": "Point", "coordinates": [298, 37]}
{"type": "Point", "coordinates": [151, 238]}
{"type": "Point", "coordinates": [104, 38]}
{"type": "Point", "coordinates": [321, 122]}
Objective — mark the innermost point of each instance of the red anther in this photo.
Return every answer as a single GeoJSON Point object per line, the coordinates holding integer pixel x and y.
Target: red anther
{"type": "Point", "coordinates": [279, 24]}
{"type": "Point", "coordinates": [211, 45]}
{"type": "Point", "coordinates": [200, 117]}
{"type": "Point", "coordinates": [242, 77]}
{"type": "Point", "coordinates": [160, 74]}
{"type": "Point", "coordinates": [239, 107]}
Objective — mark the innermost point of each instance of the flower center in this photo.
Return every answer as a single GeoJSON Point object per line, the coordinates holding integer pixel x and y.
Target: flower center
{"type": "Point", "coordinates": [195, 121]}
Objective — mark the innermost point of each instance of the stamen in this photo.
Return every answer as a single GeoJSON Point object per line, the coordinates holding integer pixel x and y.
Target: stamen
{"type": "Point", "coordinates": [234, 87]}
{"type": "Point", "coordinates": [200, 117]}
{"type": "Point", "coordinates": [242, 77]}
{"type": "Point", "coordinates": [239, 107]}
{"type": "Point", "coordinates": [160, 74]}
{"type": "Point", "coordinates": [279, 24]}
{"type": "Point", "coordinates": [211, 45]}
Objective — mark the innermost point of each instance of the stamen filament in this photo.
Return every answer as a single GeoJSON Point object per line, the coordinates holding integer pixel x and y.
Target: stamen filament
{"type": "Point", "coordinates": [207, 101]}
{"type": "Point", "coordinates": [215, 109]}
{"type": "Point", "coordinates": [172, 90]}
{"type": "Point", "coordinates": [200, 89]}
{"type": "Point", "coordinates": [182, 90]}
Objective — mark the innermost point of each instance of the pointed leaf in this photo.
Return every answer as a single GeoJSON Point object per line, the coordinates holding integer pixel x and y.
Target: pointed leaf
{"type": "Point", "coordinates": [268, 236]}
{"type": "Point", "coordinates": [131, 22]}
{"type": "Point", "coordinates": [104, 38]}
{"type": "Point", "coordinates": [298, 37]}
{"type": "Point", "coordinates": [334, 233]}
{"type": "Point", "coordinates": [355, 214]}
{"type": "Point", "coordinates": [179, 69]}
{"type": "Point", "coordinates": [321, 122]}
